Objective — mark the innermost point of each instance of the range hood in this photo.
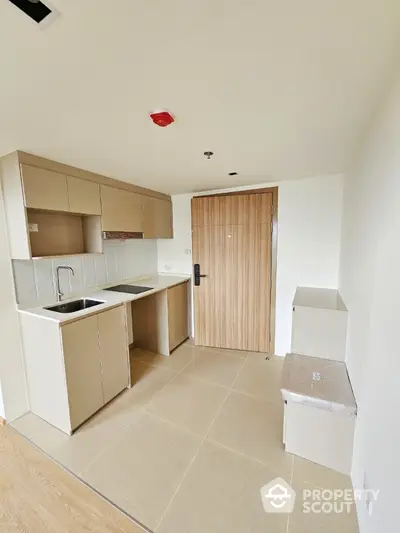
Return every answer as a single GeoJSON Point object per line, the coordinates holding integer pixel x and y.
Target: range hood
{"type": "Point", "coordinates": [122, 235]}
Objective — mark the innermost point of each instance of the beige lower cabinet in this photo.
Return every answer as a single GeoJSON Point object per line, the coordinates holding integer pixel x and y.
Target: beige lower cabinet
{"type": "Point", "coordinates": [75, 369]}
{"type": "Point", "coordinates": [113, 351]}
{"type": "Point", "coordinates": [82, 368]}
{"type": "Point", "coordinates": [178, 324]}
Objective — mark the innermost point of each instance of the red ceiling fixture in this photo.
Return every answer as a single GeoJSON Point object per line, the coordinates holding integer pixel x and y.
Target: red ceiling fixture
{"type": "Point", "coordinates": [162, 118]}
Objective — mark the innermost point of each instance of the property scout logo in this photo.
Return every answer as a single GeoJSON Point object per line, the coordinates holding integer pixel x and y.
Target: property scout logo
{"type": "Point", "coordinates": [279, 497]}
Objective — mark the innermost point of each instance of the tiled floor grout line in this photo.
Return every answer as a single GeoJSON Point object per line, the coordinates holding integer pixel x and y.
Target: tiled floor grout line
{"type": "Point", "coordinates": [229, 389]}
{"type": "Point", "coordinates": [291, 484]}
{"type": "Point", "coordinates": [167, 383]}
{"type": "Point", "coordinates": [142, 409]}
{"type": "Point", "coordinates": [238, 374]}
{"type": "Point", "coordinates": [125, 428]}
{"type": "Point", "coordinates": [179, 485]}
{"type": "Point", "coordinates": [243, 455]}
{"type": "Point", "coordinates": [217, 413]}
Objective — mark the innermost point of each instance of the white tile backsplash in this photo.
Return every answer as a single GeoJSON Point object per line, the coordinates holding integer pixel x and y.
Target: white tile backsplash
{"type": "Point", "coordinates": [100, 269]}
{"type": "Point", "coordinates": [76, 280]}
{"type": "Point", "coordinates": [89, 272]}
{"type": "Point", "coordinates": [26, 288]}
{"type": "Point", "coordinates": [35, 280]}
{"type": "Point", "coordinates": [45, 286]}
{"type": "Point", "coordinates": [111, 262]}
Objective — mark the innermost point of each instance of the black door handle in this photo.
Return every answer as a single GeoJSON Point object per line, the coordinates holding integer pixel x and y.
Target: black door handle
{"type": "Point", "coordinates": [197, 274]}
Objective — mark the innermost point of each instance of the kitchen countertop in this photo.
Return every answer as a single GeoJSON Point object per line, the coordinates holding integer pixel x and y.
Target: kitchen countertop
{"type": "Point", "coordinates": [110, 298]}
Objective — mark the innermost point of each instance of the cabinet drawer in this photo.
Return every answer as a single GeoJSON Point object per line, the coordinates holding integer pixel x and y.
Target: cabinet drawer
{"type": "Point", "coordinates": [44, 189]}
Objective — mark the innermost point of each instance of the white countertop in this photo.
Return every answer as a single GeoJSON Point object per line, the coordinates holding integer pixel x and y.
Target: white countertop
{"type": "Point", "coordinates": [110, 298]}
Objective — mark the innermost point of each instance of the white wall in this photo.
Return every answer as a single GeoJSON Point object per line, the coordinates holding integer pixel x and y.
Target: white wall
{"type": "Point", "coordinates": [370, 286]}
{"type": "Point", "coordinates": [309, 228]}
{"type": "Point", "coordinates": [12, 376]}
{"type": "Point", "coordinates": [35, 282]}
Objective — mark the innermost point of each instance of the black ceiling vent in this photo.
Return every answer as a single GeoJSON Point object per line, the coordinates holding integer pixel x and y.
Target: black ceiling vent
{"type": "Point", "coordinates": [37, 11]}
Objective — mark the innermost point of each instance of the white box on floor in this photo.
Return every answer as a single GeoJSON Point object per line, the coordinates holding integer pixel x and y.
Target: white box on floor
{"type": "Point", "coordinates": [319, 323]}
{"type": "Point", "coordinates": [320, 411]}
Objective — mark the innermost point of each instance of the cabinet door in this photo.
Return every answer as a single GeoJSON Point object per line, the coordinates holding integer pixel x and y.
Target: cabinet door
{"type": "Point", "coordinates": [157, 219]}
{"type": "Point", "coordinates": [121, 210]}
{"type": "Point", "coordinates": [164, 222]}
{"type": "Point", "coordinates": [44, 189]}
{"type": "Point", "coordinates": [114, 351]}
{"type": "Point", "coordinates": [84, 196]}
{"type": "Point", "coordinates": [178, 324]}
{"type": "Point", "coordinates": [82, 368]}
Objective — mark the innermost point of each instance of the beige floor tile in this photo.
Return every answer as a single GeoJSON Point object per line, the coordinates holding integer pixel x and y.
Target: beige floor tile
{"type": "Point", "coordinates": [221, 494]}
{"type": "Point", "coordinates": [189, 342]}
{"type": "Point", "coordinates": [77, 451]}
{"type": "Point", "coordinates": [318, 476]}
{"type": "Point", "coordinates": [253, 427]}
{"type": "Point", "coordinates": [261, 378]}
{"type": "Point", "coordinates": [146, 381]}
{"type": "Point", "coordinates": [241, 354]}
{"type": "Point", "coordinates": [189, 402]}
{"type": "Point", "coordinates": [174, 362]}
{"type": "Point", "coordinates": [342, 519]}
{"type": "Point", "coordinates": [141, 470]}
{"type": "Point", "coordinates": [215, 367]}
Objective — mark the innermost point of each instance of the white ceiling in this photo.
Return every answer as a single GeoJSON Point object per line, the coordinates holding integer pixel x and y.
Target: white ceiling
{"type": "Point", "coordinates": [277, 89]}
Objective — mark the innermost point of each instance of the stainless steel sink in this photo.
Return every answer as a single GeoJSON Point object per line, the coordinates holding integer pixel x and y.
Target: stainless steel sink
{"type": "Point", "coordinates": [76, 305]}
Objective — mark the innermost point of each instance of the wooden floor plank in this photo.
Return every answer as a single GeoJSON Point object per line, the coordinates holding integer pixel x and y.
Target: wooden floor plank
{"type": "Point", "coordinates": [38, 496]}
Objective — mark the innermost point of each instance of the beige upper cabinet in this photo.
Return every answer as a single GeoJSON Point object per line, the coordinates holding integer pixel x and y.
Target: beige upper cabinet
{"type": "Point", "coordinates": [84, 196]}
{"type": "Point", "coordinates": [44, 189]}
{"type": "Point", "coordinates": [157, 219]}
{"type": "Point", "coordinates": [82, 368]}
{"type": "Point", "coordinates": [28, 188]}
{"type": "Point", "coordinates": [114, 351]}
{"type": "Point", "coordinates": [121, 210]}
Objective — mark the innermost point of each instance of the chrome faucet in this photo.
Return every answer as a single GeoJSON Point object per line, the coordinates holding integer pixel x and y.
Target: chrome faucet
{"type": "Point", "coordinates": [60, 294]}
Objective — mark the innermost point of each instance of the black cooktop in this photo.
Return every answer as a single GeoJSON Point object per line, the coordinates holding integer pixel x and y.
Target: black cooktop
{"type": "Point", "coordinates": [132, 289]}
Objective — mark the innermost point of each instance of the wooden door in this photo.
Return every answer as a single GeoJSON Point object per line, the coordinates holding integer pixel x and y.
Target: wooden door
{"type": "Point", "coordinates": [114, 351]}
{"type": "Point", "coordinates": [178, 324]}
{"type": "Point", "coordinates": [82, 369]}
{"type": "Point", "coordinates": [232, 238]}
{"type": "Point", "coordinates": [121, 210]}
{"type": "Point", "coordinates": [84, 196]}
{"type": "Point", "coordinates": [44, 189]}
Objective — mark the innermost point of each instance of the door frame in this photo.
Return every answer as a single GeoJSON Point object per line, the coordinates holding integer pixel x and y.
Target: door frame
{"type": "Point", "coordinates": [274, 249]}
